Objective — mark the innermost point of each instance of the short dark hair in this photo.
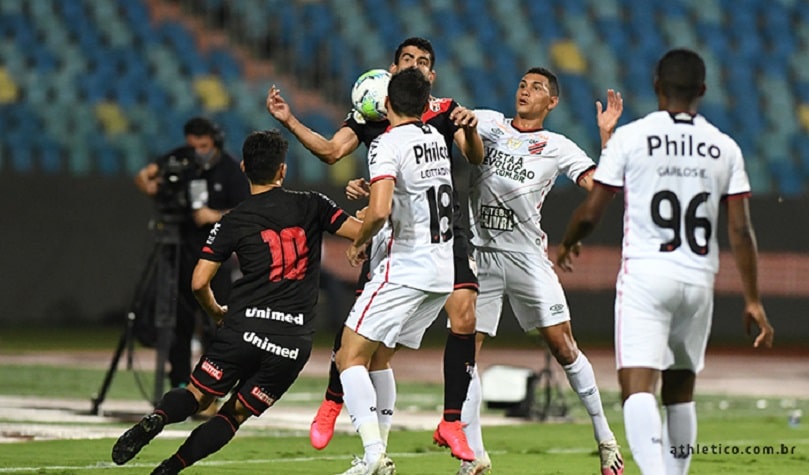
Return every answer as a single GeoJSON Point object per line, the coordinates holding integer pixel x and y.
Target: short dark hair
{"type": "Point", "coordinates": [408, 92]}
{"type": "Point", "coordinates": [200, 126]}
{"type": "Point", "coordinates": [263, 153]}
{"type": "Point", "coordinates": [553, 81]}
{"type": "Point", "coordinates": [420, 43]}
{"type": "Point", "coordinates": [681, 74]}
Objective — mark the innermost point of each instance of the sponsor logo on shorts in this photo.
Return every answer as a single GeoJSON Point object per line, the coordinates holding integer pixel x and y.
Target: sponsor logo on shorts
{"type": "Point", "coordinates": [211, 370]}
{"type": "Point", "coordinates": [497, 218]}
{"type": "Point", "coordinates": [557, 309]}
{"type": "Point", "coordinates": [270, 347]}
{"type": "Point", "coordinates": [259, 394]}
{"type": "Point", "coordinates": [269, 314]}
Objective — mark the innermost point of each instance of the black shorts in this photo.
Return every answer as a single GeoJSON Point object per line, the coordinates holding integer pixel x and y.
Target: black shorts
{"type": "Point", "coordinates": [465, 276]}
{"type": "Point", "coordinates": [259, 367]}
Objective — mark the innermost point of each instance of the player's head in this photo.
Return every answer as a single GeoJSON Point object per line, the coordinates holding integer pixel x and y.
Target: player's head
{"type": "Point", "coordinates": [204, 133]}
{"type": "Point", "coordinates": [263, 157]}
{"type": "Point", "coordinates": [415, 52]}
{"type": "Point", "coordinates": [408, 93]}
{"type": "Point", "coordinates": [680, 76]}
{"type": "Point", "coordinates": [537, 94]}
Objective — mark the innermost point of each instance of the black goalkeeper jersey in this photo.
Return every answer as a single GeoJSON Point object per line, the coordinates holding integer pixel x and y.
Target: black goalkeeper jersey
{"type": "Point", "coordinates": [437, 115]}
{"type": "Point", "coordinates": [277, 237]}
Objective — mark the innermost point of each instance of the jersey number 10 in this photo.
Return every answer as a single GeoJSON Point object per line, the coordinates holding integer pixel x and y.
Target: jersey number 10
{"type": "Point", "coordinates": [673, 222]}
{"type": "Point", "coordinates": [289, 254]}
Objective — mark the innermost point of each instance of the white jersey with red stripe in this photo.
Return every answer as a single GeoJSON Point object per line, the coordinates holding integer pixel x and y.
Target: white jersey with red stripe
{"type": "Point", "coordinates": [674, 170]}
{"type": "Point", "coordinates": [507, 190]}
{"type": "Point", "coordinates": [417, 249]}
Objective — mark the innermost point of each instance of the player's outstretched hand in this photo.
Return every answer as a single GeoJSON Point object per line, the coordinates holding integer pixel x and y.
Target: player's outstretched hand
{"type": "Point", "coordinates": [564, 257]}
{"type": "Point", "coordinates": [357, 188]}
{"type": "Point", "coordinates": [277, 106]}
{"type": "Point", "coordinates": [754, 314]}
{"type": "Point", "coordinates": [463, 117]}
{"type": "Point", "coordinates": [608, 118]}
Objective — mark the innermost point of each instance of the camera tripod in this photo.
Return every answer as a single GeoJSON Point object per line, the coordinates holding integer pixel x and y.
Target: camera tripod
{"type": "Point", "coordinates": [161, 271]}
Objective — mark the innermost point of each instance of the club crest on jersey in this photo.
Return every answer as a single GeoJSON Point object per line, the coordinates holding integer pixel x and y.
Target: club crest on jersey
{"type": "Point", "coordinates": [536, 147]}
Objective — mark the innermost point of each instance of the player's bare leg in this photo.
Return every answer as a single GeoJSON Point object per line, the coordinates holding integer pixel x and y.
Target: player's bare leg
{"type": "Point", "coordinates": [581, 377]}
{"type": "Point", "coordinates": [459, 362]}
{"type": "Point", "coordinates": [680, 422]}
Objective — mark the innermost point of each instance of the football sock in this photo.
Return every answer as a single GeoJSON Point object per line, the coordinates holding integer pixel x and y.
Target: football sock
{"type": "Point", "coordinates": [334, 391]}
{"type": "Point", "coordinates": [583, 381]}
{"type": "Point", "coordinates": [361, 404]}
{"type": "Point", "coordinates": [459, 358]}
{"type": "Point", "coordinates": [470, 415]}
{"type": "Point", "coordinates": [643, 431]}
{"type": "Point", "coordinates": [207, 438]}
{"type": "Point", "coordinates": [385, 387]}
{"type": "Point", "coordinates": [679, 436]}
{"type": "Point", "coordinates": [177, 405]}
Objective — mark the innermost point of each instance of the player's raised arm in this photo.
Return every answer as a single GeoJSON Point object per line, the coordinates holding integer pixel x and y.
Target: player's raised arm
{"type": "Point", "coordinates": [607, 118]}
{"type": "Point", "coordinates": [342, 143]}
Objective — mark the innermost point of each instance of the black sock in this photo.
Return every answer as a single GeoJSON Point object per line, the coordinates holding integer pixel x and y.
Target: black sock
{"type": "Point", "coordinates": [459, 357]}
{"type": "Point", "coordinates": [177, 405]}
{"type": "Point", "coordinates": [207, 438]}
{"type": "Point", "coordinates": [334, 392]}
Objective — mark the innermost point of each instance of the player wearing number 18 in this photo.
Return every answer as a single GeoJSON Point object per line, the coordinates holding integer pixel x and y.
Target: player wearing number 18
{"type": "Point", "coordinates": [265, 332]}
{"type": "Point", "coordinates": [676, 169]}
{"type": "Point", "coordinates": [411, 189]}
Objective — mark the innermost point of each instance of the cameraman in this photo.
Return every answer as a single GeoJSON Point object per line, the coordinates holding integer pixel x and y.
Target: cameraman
{"type": "Point", "coordinates": [196, 185]}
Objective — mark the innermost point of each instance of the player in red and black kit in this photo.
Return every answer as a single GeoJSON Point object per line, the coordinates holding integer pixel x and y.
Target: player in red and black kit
{"type": "Point", "coordinates": [265, 332]}
{"type": "Point", "coordinates": [458, 125]}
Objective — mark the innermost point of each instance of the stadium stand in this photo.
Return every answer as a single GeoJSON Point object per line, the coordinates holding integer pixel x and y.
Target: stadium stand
{"type": "Point", "coordinates": [90, 88]}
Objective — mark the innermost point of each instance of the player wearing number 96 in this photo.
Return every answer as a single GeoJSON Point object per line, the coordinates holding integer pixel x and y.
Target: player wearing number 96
{"type": "Point", "coordinates": [675, 169]}
{"type": "Point", "coordinates": [265, 332]}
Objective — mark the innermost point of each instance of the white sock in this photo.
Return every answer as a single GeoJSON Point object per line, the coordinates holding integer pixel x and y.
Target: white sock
{"type": "Point", "coordinates": [679, 435]}
{"type": "Point", "coordinates": [385, 387]}
{"type": "Point", "coordinates": [360, 400]}
{"type": "Point", "coordinates": [644, 433]}
{"type": "Point", "coordinates": [470, 415]}
{"type": "Point", "coordinates": [583, 381]}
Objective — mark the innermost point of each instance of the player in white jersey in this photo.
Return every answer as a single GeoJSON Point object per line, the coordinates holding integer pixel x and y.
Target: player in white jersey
{"type": "Point", "coordinates": [521, 163]}
{"type": "Point", "coordinates": [411, 189]}
{"type": "Point", "coordinates": [675, 169]}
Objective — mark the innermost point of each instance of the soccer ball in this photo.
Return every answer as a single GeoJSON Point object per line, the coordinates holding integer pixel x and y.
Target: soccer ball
{"type": "Point", "coordinates": [369, 93]}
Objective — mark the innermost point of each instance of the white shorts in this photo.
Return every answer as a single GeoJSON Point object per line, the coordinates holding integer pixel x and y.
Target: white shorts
{"type": "Point", "coordinates": [661, 323]}
{"type": "Point", "coordinates": [394, 314]}
{"type": "Point", "coordinates": [529, 282]}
